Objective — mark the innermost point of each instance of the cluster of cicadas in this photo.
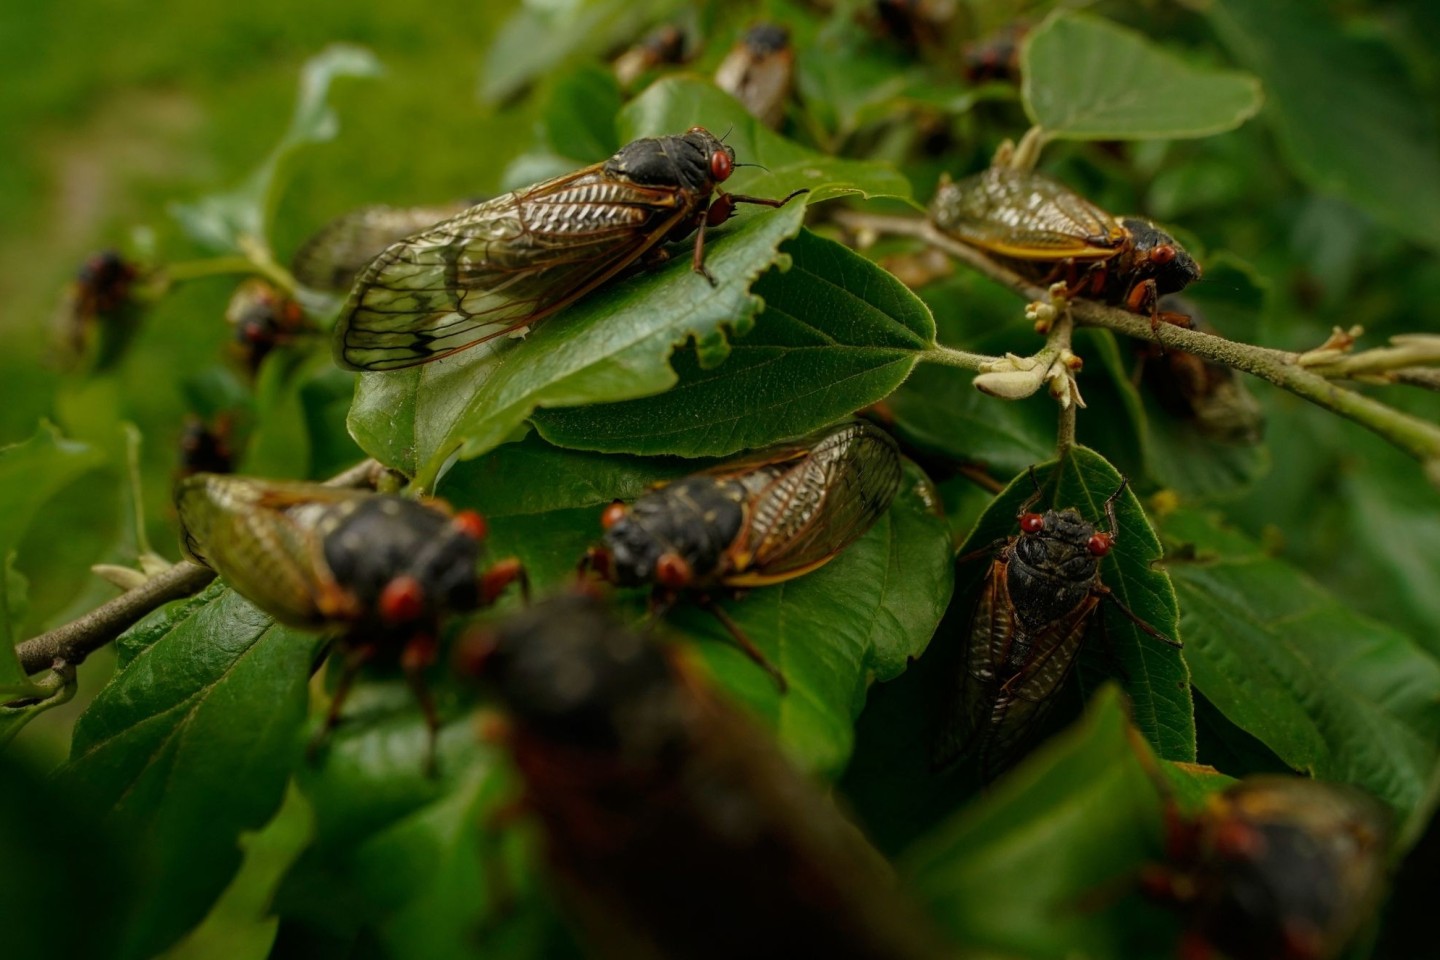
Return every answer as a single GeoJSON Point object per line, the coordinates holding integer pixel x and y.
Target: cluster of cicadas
{"type": "Point", "coordinates": [657, 798]}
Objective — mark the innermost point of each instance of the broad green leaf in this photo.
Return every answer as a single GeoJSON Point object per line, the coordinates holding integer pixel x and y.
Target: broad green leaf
{"type": "Point", "coordinates": [614, 344]}
{"type": "Point", "coordinates": [1349, 119]}
{"type": "Point", "coordinates": [858, 618]}
{"type": "Point", "coordinates": [579, 115]}
{"type": "Point", "coordinates": [190, 745]}
{"type": "Point", "coordinates": [223, 221]}
{"type": "Point", "coordinates": [64, 889]}
{"type": "Point", "coordinates": [1155, 675]}
{"type": "Point", "coordinates": [836, 334]}
{"type": "Point", "coordinates": [1047, 864]}
{"type": "Point", "coordinates": [1332, 692]}
{"type": "Point", "coordinates": [541, 35]}
{"type": "Point", "coordinates": [30, 474]}
{"type": "Point", "coordinates": [1089, 79]}
{"type": "Point", "coordinates": [411, 860]}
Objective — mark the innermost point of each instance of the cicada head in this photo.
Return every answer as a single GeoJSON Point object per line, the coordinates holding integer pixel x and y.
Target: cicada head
{"type": "Point", "coordinates": [568, 671]}
{"type": "Point", "coordinates": [695, 161]}
{"type": "Point", "coordinates": [1285, 867]}
{"type": "Point", "coordinates": [406, 563]}
{"type": "Point", "coordinates": [1053, 564]}
{"type": "Point", "coordinates": [1158, 256]}
{"type": "Point", "coordinates": [675, 536]}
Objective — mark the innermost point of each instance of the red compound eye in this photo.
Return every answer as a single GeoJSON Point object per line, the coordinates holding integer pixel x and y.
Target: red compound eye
{"type": "Point", "coordinates": [1032, 523]}
{"type": "Point", "coordinates": [471, 524]}
{"type": "Point", "coordinates": [721, 165]}
{"type": "Point", "coordinates": [402, 600]}
{"type": "Point", "coordinates": [613, 514]}
{"type": "Point", "coordinates": [1099, 544]}
{"type": "Point", "coordinates": [672, 571]}
{"type": "Point", "coordinates": [1162, 254]}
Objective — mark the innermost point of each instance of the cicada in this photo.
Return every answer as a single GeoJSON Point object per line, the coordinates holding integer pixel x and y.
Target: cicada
{"type": "Point", "coordinates": [759, 71]}
{"type": "Point", "coordinates": [380, 572]}
{"type": "Point", "coordinates": [100, 306]}
{"type": "Point", "coordinates": [996, 57]}
{"type": "Point", "coordinates": [674, 826]}
{"type": "Point", "coordinates": [764, 518]}
{"type": "Point", "coordinates": [263, 319]}
{"type": "Point", "coordinates": [1275, 868]}
{"type": "Point", "coordinates": [205, 447]}
{"type": "Point", "coordinates": [1048, 233]}
{"type": "Point", "coordinates": [508, 263]}
{"type": "Point", "coordinates": [336, 253]}
{"type": "Point", "coordinates": [664, 45]}
{"type": "Point", "coordinates": [1036, 602]}
{"type": "Point", "coordinates": [1209, 395]}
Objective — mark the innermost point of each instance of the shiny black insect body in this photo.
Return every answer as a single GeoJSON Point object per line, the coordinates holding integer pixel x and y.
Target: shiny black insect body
{"type": "Point", "coordinates": [677, 828]}
{"type": "Point", "coordinates": [767, 517]}
{"type": "Point", "coordinates": [1048, 233]}
{"type": "Point", "coordinates": [205, 447]}
{"type": "Point", "coordinates": [263, 319]}
{"type": "Point", "coordinates": [508, 263]}
{"type": "Point", "coordinates": [380, 572]}
{"type": "Point", "coordinates": [1274, 868]}
{"type": "Point", "coordinates": [1035, 604]}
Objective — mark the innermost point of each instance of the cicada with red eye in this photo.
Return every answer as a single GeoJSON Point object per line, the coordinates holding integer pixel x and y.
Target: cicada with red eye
{"type": "Point", "coordinates": [380, 572]}
{"type": "Point", "coordinates": [100, 306]}
{"type": "Point", "coordinates": [674, 826]}
{"type": "Point", "coordinates": [1048, 234]}
{"type": "Point", "coordinates": [263, 319]}
{"type": "Point", "coordinates": [510, 262]}
{"type": "Point", "coordinates": [335, 254]}
{"type": "Point", "coordinates": [767, 517]}
{"type": "Point", "coordinates": [206, 447]}
{"type": "Point", "coordinates": [1036, 602]}
{"type": "Point", "coordinates": [666, 44]}
{"type": "Point", "coordinates": [1274, 868]}
{"type": "Point", "coordinates": [759, 71]}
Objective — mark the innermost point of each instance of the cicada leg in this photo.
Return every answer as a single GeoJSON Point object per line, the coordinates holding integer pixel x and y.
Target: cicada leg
{"type": "Point", "coordinates": [355, 659]}
{"type": "Point", "coordinates": [499, 576]}
{"type": "Point", "coordinates": [722, 208]}
{"type": "Point", "coordinates": [742, 641]}
{"type": "Point", "coordinates": [415, 659]}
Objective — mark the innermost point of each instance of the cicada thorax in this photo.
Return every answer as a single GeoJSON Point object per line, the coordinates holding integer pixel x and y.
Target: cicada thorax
{"type": "Point", "coordinates": [508, 263]}
{"type": "Point", "coordinates": [680, 535]}
{"type": "Point", "coordinates": [1048, 234]}
{"type": "Point", "coordinates": [665, 813]}
{"type": "Point", "coordinates": [1276, 867]}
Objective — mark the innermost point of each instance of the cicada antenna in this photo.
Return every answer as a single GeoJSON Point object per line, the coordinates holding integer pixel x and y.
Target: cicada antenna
{"type": "Point", "coordinates": [1034, 498]}
{"type": "Point", "coordinates": [1110, 508]}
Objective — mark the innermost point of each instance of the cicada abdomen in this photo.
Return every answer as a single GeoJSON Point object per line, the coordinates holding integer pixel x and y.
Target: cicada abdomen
{"type": "Point", "coordinates": [764, 518]}
{"type": "Point", "coordinates": [1035, 604]}
{"type": "Point", "coordinates": [380, 572]}
{"type": "Point", "coordinates": [675, 827]}
{"type": "Point", "coordinates": [1048, 233]}
{"type": "Point", "coordinates": [1275, 867]}
{"type": "Point", "coordinates": [335, 254]}
{"type": "Point", "coordinates": [508, 263]}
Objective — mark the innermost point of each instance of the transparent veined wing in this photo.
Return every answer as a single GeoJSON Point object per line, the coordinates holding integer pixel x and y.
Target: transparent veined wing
{"type": "Point", "coordinates": [1025, 216]}
{"type": "Point", "coordinates": [335, 254]}
{"type": "Point", "coordinates": [501, 265]}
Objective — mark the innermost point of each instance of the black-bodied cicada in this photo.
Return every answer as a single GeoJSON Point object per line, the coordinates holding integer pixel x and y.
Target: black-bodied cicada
{"type": "Point", "coordinates": [1210, 396]}
{"type": "Point", "coordinates": [335, 254]}
{"type": "Point", "coordinates": [766, 517]}
{"type": "Point", "coordinates": [666, 44]}
{"type": "Point", "coordinates": [674, 826]}
{"type": "Point", "coordinates": [759, 71]}
{"type": "Point", "coordinates": [206, 447]}
{"type": "Point", "coordinates": [263, 319]}
{"type": "Point", "coordinates": [1274, 868]}
{"type": "Point", "coordinates": [381, 572]}
{"type": "Point", "coordinates": [100, 306]}
{"type": "Point", "coordinates": [510, 262]}
{"type": "Point", "coordinates": [1035, 604]}
{"type": "Point", "coordinates": [1048, 233]}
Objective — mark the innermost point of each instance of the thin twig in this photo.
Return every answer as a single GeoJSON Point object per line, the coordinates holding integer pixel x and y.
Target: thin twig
{"type": "Point", "coordinates": [74, 641]}
{"type": "Point", "coordinates": [1419, 438]}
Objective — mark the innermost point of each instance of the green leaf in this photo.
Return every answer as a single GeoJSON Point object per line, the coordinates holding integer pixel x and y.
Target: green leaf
{"type": "Point", "coordinates": [31, 473]}
{"type": "Point", "coordinates": [1047, 864]}
{"type": "Point", "coordinates": [1349, 119]}
{"type": "Point", "coordinates": [540, 36]}
{"type": "Point", "coordinates": [580, 111]}
{"type": "Point", "coordinates": [1332, 692]}
{"type": "Point", "coordinates": [223, 220]}
{"type": "Point", "coordinates": [837, 333]}
{"type": "Point", "coordinates": [858, 618]}
{"type": "Point", "coordinates": [190, 745]}
{"type": "Point", "coordinates": [1088, 79]}
{"type": "Point", "coordinates": [614, 344]}
{"type": "Point", "coordinates": [1155, 674]}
